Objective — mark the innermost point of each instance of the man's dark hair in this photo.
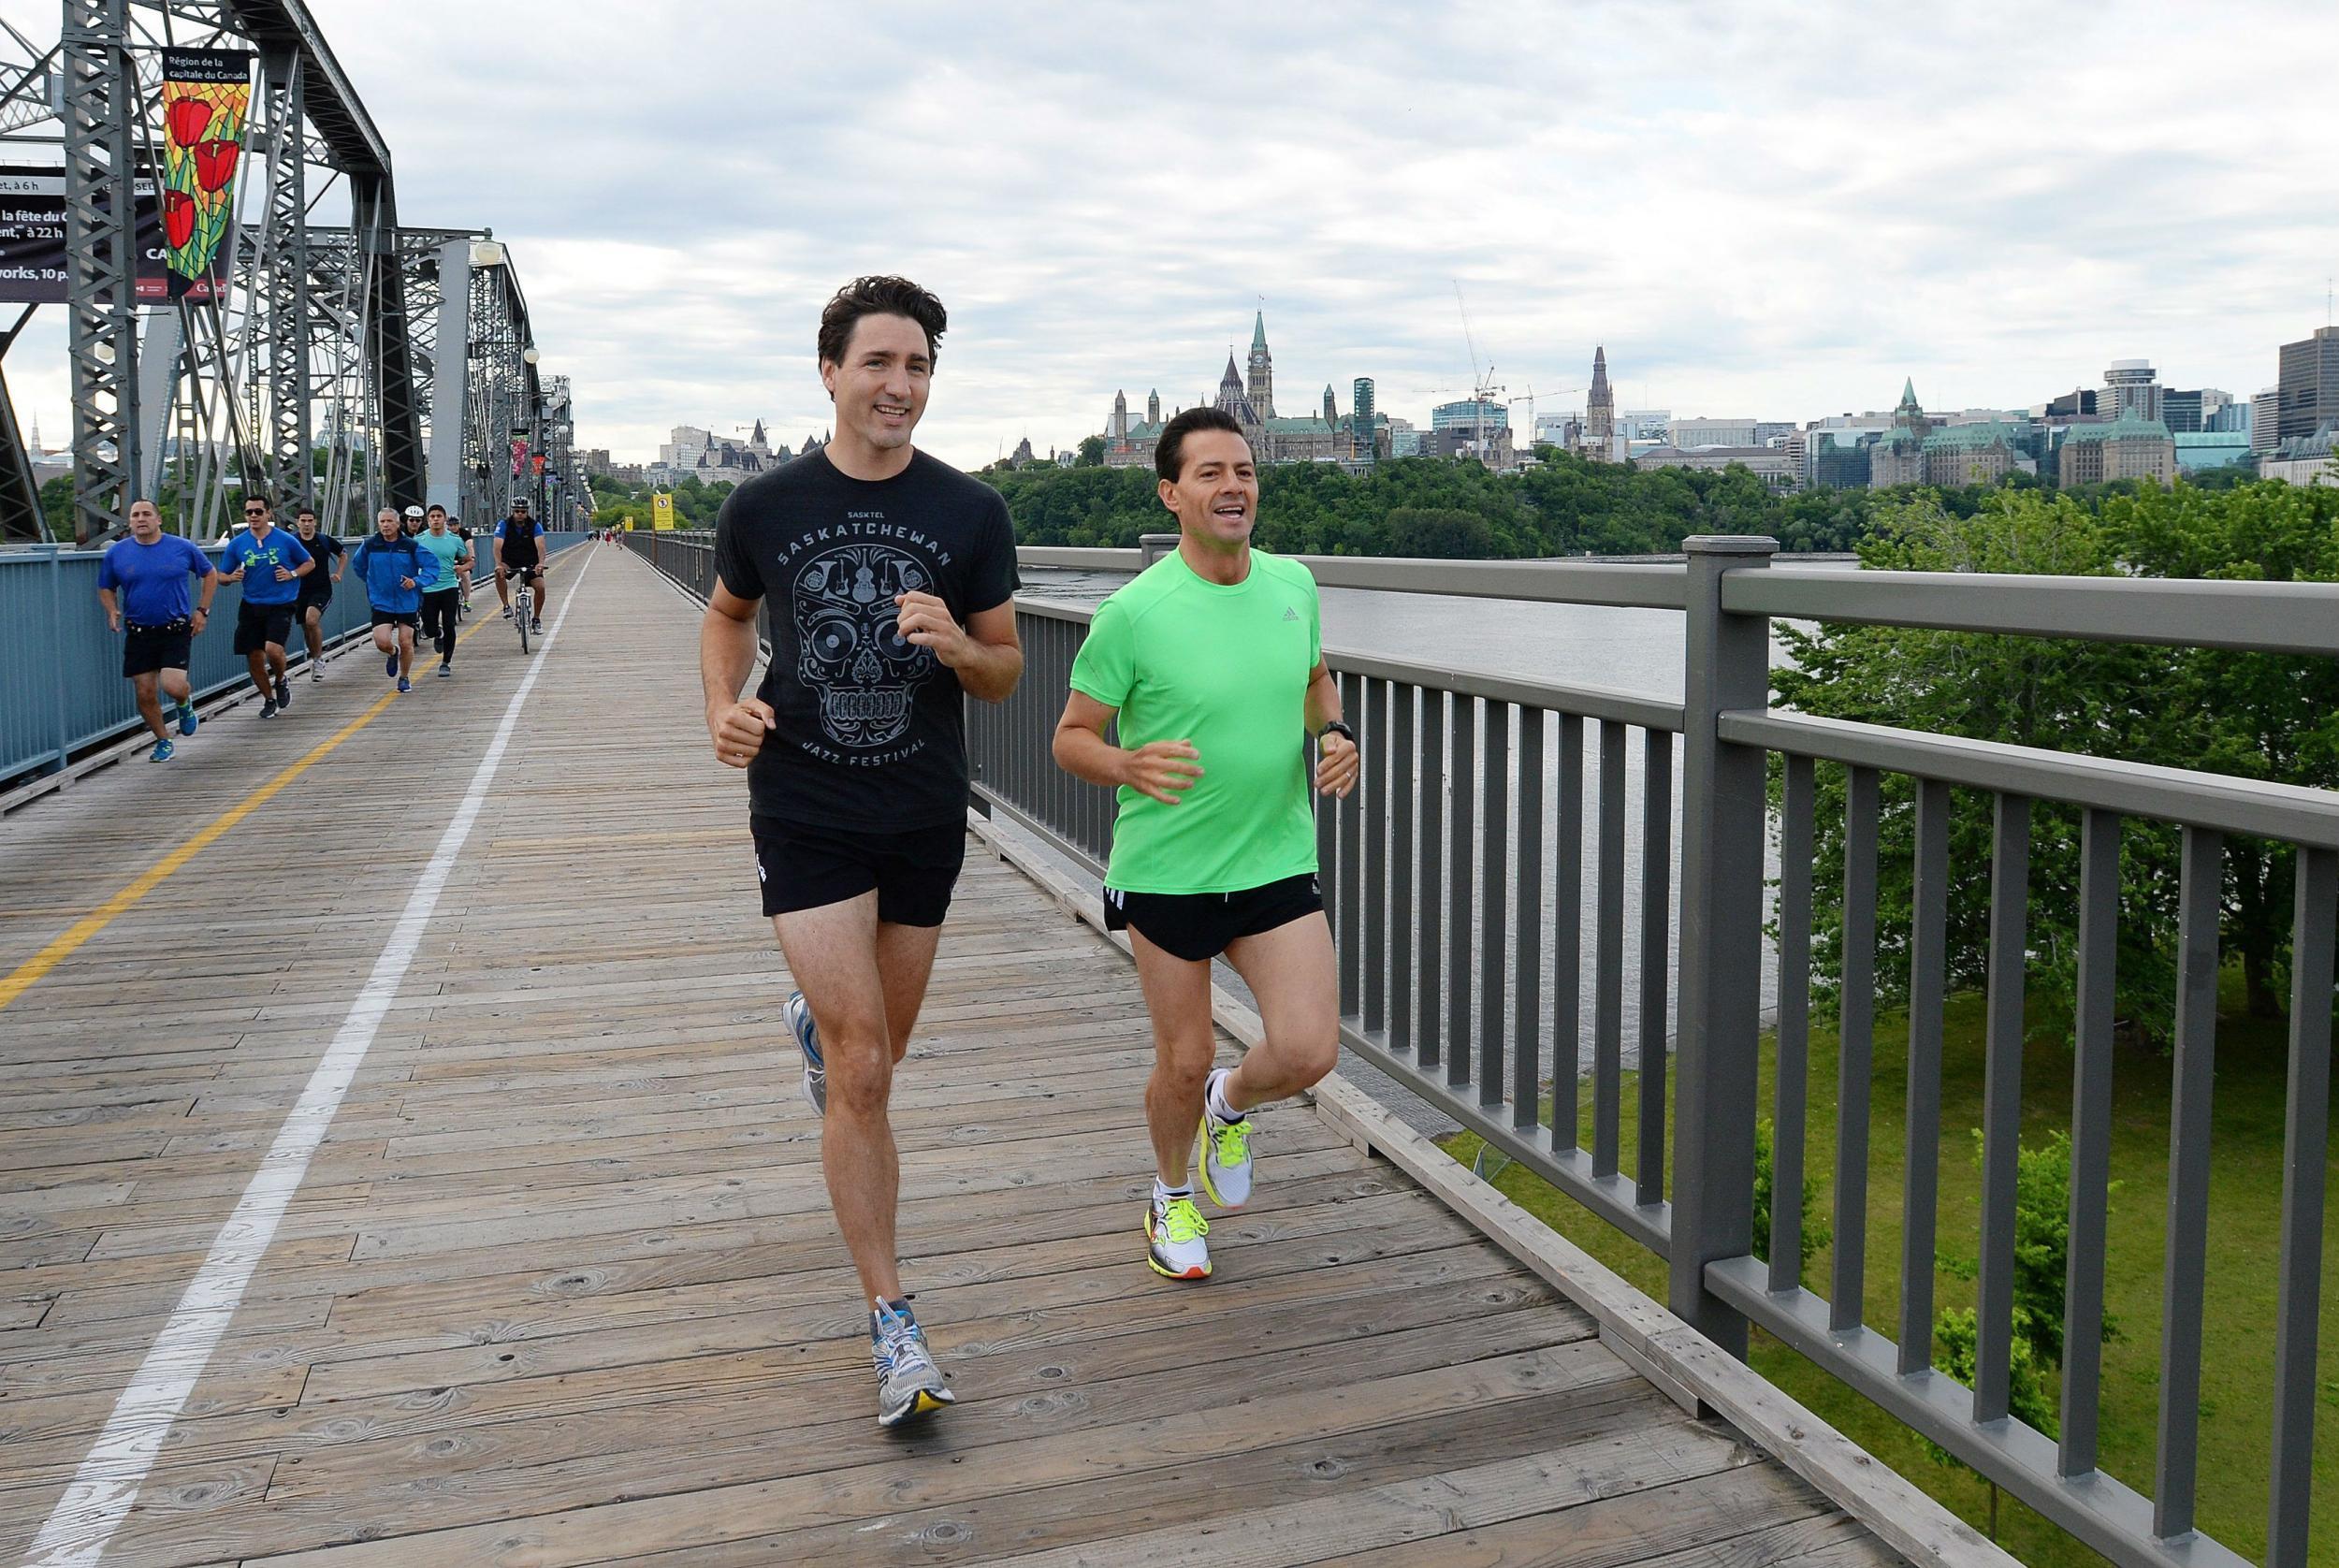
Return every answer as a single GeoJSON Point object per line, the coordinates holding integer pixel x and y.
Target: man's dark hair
{"type": "Point", "coordinates": [878, 297]}
{"type": "Point", "coordinates": [257, 499]}
{"type": "Point", "coordinates": [434, 506]}
{"type": "Point", "coordinates": [306, 511]}
{"type": "Point", "coordinates": [1170, 452]}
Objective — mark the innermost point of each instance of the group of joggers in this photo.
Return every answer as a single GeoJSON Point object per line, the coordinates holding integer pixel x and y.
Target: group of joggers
{"type": "Point", "coordinates": [156, 589]}
{"type": "Point", "coordinates": [891, 578]}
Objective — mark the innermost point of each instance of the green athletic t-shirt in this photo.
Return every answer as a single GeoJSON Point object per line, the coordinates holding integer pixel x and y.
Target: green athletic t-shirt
{"type": "Point", "coordinates": [1225, 668]}
{"type": "Point", "coordinates": [446, 547]}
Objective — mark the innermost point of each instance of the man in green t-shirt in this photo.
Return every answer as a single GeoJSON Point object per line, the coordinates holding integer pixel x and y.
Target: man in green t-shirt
{"type": "Point", "coordinates": [1213, 662]}
{"type": "Point", "coordinates": [442, 604]}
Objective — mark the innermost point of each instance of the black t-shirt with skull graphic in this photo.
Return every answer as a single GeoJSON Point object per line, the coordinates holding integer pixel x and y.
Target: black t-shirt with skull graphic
{"type": "Point", "coordinates": [871, 731]}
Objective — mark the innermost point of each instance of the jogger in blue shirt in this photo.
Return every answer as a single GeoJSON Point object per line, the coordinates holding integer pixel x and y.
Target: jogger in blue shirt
{"type": "Point", "coordinates": [157, 606]}
{"type": "Point", "coordinates": [270, 563]}
{"type": "Point", "coordinates": [396, 570]}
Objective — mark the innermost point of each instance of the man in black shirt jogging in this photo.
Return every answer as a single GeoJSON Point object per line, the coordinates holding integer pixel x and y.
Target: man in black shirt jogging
{"type": "Point", "coordinates": [891, 577]}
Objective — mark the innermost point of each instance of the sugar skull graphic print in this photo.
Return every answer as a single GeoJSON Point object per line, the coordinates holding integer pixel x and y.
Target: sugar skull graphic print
{"type": "Point", "coordinates": [869, 728]}
{"type": "Point", "coordinates": [850, 647]}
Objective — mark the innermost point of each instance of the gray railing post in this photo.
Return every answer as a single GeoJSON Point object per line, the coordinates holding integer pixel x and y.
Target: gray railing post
{"type": "Point", "coordinates": [1150, 548]}
{"type": "Point", "coordinates": [1723, 820]}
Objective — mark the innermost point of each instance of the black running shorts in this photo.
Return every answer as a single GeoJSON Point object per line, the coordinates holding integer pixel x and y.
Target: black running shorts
{"type": "Point", "coordinates": [1197, 926]}
{"type": "Point", "coordinates": [805, 867]}
{"type": "Point", "coordinates": [395, 617]}
{"type": "Point", "coordinates": [148, 648]}
{"type": "Point", "coordinates": [258, 625]}
{"type": "Point", "coordinates": [312, 598]}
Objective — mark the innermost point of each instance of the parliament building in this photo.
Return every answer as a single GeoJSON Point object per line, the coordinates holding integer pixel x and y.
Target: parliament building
{"type": "Point", "coordinates": [1319, 436]}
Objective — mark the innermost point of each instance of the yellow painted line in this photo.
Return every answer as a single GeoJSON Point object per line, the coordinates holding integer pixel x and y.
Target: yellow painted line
{"type": "Point", "coordinates": [29, 973]}
{"type": "Point", "coordinates": [80, 931]}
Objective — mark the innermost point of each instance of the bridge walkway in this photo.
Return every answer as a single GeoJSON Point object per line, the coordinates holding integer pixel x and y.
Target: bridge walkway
{"type": "Point", "coordinates": [557, 1282]}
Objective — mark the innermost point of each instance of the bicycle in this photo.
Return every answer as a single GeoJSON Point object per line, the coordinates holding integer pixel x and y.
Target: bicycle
{"type": "Point", "coordinates": [523, 607]}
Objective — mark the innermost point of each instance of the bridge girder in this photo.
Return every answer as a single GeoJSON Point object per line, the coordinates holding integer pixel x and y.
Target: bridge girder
{"type": "Point", "coordinates": [310, 314]}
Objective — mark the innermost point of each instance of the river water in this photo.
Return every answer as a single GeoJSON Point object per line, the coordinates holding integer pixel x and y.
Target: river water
{"type": "Point", "coordinates": [1638, 651]}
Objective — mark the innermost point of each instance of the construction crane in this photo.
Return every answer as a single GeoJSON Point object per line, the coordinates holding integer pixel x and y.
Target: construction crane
{"type": "Point", "coordinates": [1530, 400]}
{"type": "Point", "coordinates": [1483, 387]}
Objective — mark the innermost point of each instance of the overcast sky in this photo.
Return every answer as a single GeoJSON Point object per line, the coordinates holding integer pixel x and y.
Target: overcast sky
{"type": "Point", "coordinates": [1777, 211]}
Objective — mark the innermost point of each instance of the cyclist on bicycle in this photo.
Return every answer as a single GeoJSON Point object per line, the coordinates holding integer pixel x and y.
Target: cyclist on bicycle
{"type": "Point", "coordinates": [520, 552]}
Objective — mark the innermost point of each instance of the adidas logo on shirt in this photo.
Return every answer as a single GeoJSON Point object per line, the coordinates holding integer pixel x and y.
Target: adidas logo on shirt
{"type": "Point", "coordinates": [1290, 613]}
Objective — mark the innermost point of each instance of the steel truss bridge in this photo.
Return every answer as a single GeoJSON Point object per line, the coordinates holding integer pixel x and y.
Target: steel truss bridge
{"type": "Point", "coordinates": [403, 356]}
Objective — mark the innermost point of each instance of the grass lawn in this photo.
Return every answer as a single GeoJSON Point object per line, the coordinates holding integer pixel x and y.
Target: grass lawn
{"type": "Point", "coordinates": [2237, 1374]}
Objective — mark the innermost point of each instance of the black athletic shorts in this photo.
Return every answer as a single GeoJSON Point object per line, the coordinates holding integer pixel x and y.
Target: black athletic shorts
{"type": "Point", "coordinates": [149, 648]}
{"type": "Point", "coordinates": [803, 867]}
{"type": "Point", "coordinates": [1198, 925]}
{"type": "Point", "coordinates": [521, 561]}
{"type": "Point", "coordinates": [257, 625]}
{"type": "Point", "coordinates": [395, 617]}
{"type": "Point", "coordinates": [308, 600]}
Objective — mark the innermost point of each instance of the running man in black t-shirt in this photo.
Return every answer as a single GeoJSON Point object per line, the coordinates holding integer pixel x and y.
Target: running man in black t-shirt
{"type": "Point", "coordinates": [316, 588]}
{"type": "Point", "coordinates": [891, 577]}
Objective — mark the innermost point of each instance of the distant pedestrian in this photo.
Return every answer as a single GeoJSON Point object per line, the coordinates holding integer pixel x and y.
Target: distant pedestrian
{"type": "Point", "coordinates": [410, 521]}
{"type": "Point", "coordinates": [396, 570]}
{"type": "Point", "coordinates": [270, 563]}
{"type": "Point", "coordinates": [160, 616]}
{"type": "Point", "coordinates": [463, 530]}
{"type": "Point", "coordinates": [316, 588]}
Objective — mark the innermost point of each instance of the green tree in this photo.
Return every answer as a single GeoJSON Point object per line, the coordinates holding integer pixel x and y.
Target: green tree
{"type": "Point", "coordinates": [1443, 533]}
{"type": "Point", "coordinates": [2253, 715]}
{"type": "Point", "coordinates": [1092, 453]}
{"type": "Point", "coordinates": [2019, 690]}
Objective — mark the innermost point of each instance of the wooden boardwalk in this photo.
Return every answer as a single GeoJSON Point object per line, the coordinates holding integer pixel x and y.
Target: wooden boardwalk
{"type": "Point", "coordinates": [561, 1287]}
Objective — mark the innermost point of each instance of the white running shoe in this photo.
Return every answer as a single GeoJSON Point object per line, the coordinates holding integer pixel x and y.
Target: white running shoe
{"type": "Point", "coordinates": [1174, 1228]}
{"type": "Point", "coordinates": [799, 1016]}
{"type": "Point", "coordinates": [909, 1384]}
{"type": "Point", "coordinates": [1225, 1153]}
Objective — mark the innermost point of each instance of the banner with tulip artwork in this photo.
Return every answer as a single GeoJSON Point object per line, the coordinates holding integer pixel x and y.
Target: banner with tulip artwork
{"type": "Point", "coordinates": [206, 94]}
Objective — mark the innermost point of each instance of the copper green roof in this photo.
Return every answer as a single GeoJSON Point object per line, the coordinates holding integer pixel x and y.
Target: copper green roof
{"type": "Point", "coordinates": [1973, 436]}
{"type": "Point", "coordinates": [1258, 330]}
{"type": "Point", "coordinates": [1311, 424]}
{"type": "Point", "coordinates": [2125, 427]}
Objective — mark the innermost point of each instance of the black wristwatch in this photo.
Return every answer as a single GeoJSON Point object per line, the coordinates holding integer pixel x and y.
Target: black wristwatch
{"type": "Point", "coordinates": [1337, 727]}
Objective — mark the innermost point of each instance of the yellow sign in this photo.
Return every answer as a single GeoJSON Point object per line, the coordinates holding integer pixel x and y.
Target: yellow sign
{"type": "Point", "coordinates": [661, 512]}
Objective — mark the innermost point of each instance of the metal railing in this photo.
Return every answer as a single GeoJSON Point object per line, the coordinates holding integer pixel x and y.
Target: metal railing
{"type": "Point", "coordinates": [61, 685]}
{"type": "Point", "coordinates": [1488, 931]}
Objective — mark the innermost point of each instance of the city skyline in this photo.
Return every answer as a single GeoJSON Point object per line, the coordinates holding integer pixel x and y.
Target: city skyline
{"type": "Point", "coordinates": [1747, 228]}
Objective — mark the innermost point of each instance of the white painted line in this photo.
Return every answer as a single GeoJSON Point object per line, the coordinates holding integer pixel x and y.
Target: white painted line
{"type": "Point", "coordinates": [94, 1505]}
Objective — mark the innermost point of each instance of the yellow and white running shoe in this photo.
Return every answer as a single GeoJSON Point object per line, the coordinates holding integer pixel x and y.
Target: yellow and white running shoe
{"type": "Point", "coordinates": [1174, 1229]}
{"type": "Point", "coordinates": [1225, 1155]}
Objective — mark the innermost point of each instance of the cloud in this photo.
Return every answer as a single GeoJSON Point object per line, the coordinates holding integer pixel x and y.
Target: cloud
{"type": "Point", "coordinates": [1775, 209]}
